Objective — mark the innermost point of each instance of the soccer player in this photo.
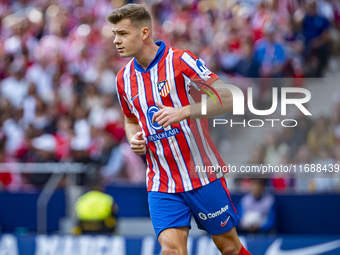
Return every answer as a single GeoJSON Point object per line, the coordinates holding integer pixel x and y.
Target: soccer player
{"type": "Point", "coordinates": [162, 121]}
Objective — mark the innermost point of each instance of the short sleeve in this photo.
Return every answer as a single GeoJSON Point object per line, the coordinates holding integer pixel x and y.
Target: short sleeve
{"type": "Point", "coordinates": [195, 69]}
{"type": "Point", "coordinates": [123, 100]}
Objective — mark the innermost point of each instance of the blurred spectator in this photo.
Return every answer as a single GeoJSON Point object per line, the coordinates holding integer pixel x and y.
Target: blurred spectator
{"type": "Point", "coordinates": [274, 149]}
{"type": "Point", "coordinates": [91, 97]}
{"type": "Point", "coordinates": [294, 46]}
{"type": "Point", "coordinates": [82, 129]}
{"type": "Point", "coordinates": [5, 177]}
{"type": "Point", "coordinates": [270, 54]}
{"type": "Point", "coordinates": [105, 77]}
{"type": "Point", "coordinates": [336, 153]}
{"type": "Point", "coordinates": [301, 131]}
{"type": "Point", "coordinates": [13, 132]}
{"type": "Point", "coordinates": [43, 151]}
{"type": "Point", "coordinates": [96, 212]}
{"type": "Point", "coordinates": [325, 181]}
{"type": "Point", "coordinates": [14, 87]}
{"type": "Point", "coordinates": [247, 66]}
{"type": "Point", "coordinates": [288, 139]}
{"type": "Point", "coordinates": [335, 123]}
{"type": "Point", "coordinates": [282, 182]}
{"type": "Point", "coordinates": [257, 210]}
{"type": "Point", "coordinates": [325, 9]}
{"type": "Point", "coordinates": [41, 119]}
{"type": "Point", "coordinates": [41, 74]}
{"type": "Point", "coordinates": [317, 38]}
{"type": "Point", "coordinates": [63, 135]}
{"type": "Point", "coordinates": [257, 155]}
{"type": "Point", "coordinates": [29, 105]}
{"type": "Point", "coordinates": [304, 156]}
{"type": "Point", "coordinates": [104, 113]}
{"type": "Point", "coordinates": [320, 136]}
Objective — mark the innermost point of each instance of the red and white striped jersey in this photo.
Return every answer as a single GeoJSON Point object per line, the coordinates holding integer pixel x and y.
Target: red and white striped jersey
{"type": "Point", "coordinates": [173, 153]}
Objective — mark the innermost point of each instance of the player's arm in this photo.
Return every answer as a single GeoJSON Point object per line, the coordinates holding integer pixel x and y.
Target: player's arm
{"type": "Point", "coordinates": [169, 115]}
{"type": "Point", "coordinates": [214, 107]}
{"type": "Point", "coordinates": [135, 136]}
{"type": "Point", "coordinates": [132, 128]}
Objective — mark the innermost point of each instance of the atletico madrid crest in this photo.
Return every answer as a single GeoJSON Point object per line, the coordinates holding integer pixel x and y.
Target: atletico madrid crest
{"type": "Point", "coordinates": [163, 88]}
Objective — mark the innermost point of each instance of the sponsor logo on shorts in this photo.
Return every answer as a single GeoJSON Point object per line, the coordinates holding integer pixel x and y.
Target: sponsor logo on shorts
{"type": "Point", "coordinates": [219, 212]}
{"type": "Point", "coordinates": [202, 216]}
{"type": "Point", "coordinates": [215, 214]}
{"type": "Point", "coordinates": [224, 223]}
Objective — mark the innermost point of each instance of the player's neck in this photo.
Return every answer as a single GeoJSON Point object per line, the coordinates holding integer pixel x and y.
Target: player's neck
{"type": "Point", "coordinates": [147, 55]}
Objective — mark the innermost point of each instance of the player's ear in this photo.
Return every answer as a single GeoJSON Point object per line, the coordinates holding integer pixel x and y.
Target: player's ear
{"type": "Point", "coordinates": [145, 32]}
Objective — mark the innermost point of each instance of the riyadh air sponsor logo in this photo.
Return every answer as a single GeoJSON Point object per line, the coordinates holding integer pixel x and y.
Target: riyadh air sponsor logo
{"type": "Point", "coordinates": [275, 248]}
{"type": "Point", "coordinates": [163, 135]}
{"type": "Point", "coordinates": [225, 223]}
{"type": "Point", "coordinates": [202, 216]}
{"type": "Point", "coordinates": [151, 111]}
{"type": "Point", "coordinates": [215, 214]}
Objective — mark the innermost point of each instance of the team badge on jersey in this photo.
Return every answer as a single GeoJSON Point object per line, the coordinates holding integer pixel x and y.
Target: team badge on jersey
{"type": "Point", "coordinates": [163, 88]}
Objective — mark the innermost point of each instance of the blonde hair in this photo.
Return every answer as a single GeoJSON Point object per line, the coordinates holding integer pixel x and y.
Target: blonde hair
{"type": "Point", "coordinates": [136, 13]}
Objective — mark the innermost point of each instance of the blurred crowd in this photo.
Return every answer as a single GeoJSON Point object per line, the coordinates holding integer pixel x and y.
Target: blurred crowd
{"type": "Point", "coordinates": [57, 92]}
{"type": "Point", "coordinates": [58, 67]}
{"type": "Point", "coordinates": [254, 38]}
{"type": "Point", "coordinates": [311, 143]}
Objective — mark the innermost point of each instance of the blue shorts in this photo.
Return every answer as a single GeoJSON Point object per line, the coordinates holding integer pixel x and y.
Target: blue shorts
{"type": "Point", "coordinates": [210, 205]}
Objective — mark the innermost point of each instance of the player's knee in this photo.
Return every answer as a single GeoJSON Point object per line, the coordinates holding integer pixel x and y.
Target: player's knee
{"type": "Point", "coordinates": [170, 250]}
{"type": "Point", "coordinates": [230, 250]}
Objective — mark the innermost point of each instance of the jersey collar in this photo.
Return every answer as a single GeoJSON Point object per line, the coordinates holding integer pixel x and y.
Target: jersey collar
{"type": "Point", "coordinates": [158, 57]}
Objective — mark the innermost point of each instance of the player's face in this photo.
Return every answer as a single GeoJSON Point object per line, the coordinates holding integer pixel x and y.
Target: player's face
{"type": "Point", "coordinates": [127, 38]}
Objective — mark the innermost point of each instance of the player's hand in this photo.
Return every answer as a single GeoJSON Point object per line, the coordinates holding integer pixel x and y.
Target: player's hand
{"type": "Point", "coordinates": [138, 144]}
{"type": "Point", "coordinates": [168, 115]}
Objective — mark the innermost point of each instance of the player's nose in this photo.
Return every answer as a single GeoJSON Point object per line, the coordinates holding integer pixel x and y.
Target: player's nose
{"type": "Point", "coordinates": [116, 40]}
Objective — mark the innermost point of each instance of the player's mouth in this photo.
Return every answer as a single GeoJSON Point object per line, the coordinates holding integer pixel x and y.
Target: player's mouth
{"type": "Point", "coordinates": [120, 49]}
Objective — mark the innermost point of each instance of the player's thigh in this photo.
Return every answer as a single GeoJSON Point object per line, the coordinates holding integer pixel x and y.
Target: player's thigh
{"type": "Point", "coordinates": [228, 242]}
{"type": "Point", "coordinates": [168, 211]}
{"type": "Point", "coordinates": [174, 241]}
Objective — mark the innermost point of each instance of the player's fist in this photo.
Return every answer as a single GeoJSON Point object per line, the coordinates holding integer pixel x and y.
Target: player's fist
{"type": "Point", "coordinates": [138, 144]}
